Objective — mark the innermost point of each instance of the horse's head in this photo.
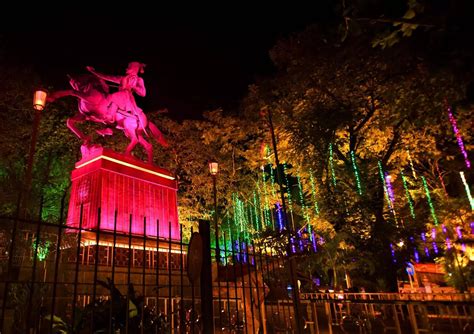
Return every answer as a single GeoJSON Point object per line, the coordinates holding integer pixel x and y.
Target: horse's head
{"type": "Point", "coordinates": [84, 83]}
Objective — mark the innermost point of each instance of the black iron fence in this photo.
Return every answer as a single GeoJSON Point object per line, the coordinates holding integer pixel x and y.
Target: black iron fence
{"type": "Point", "coordinates": [61, 279]}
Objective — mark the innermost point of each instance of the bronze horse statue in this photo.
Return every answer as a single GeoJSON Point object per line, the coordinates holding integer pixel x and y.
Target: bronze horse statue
{"type": "Point", "coordinates": [94, 105]}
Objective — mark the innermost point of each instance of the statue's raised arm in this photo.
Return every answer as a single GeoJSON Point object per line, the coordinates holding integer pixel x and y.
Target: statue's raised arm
{"type": "Point", "coordinates": [112, 78]}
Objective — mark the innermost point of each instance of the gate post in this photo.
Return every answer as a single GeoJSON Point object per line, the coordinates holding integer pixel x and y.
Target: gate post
{"type": "Point", "coordinates": [206, 279]}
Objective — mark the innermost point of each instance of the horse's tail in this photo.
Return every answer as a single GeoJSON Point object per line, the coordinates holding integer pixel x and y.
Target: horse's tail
{"type": "Point", "coordinates": [157, 134]}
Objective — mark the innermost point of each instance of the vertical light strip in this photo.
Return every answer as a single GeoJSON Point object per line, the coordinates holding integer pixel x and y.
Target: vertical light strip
{"type": "Point", "coordinates": [458, 137]}
{"type": "Point", "coordinates": [331, 166]}
{"type": "Point", "coordinates": [430, 203]}
{"type": "Point", "coordinates": [468, 191]}
{"type": "Point", "coordinates": [356, 173]}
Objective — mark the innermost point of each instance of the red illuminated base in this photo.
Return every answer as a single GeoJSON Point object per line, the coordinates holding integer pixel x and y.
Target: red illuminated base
{"type": "Point", "coordinates": [108, 184]}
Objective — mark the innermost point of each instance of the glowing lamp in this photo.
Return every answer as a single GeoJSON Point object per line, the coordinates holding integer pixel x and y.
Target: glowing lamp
{"type": "Point", "coordinates": [39, 99]}
{"type": "Point", "coordinates": [213, 168]}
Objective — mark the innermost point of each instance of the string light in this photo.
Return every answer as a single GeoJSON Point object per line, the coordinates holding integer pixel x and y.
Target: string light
{"type": "Point", "coordinates": [468, 191]}
{"type": "Point", "coordinates": [281, 224]}
{"type": "Point", "coordinates": [417, 256]}
{"type": "Point", "coordinates": [435, 247]}
{"type": "Point", "coordinates": [388, 179]}
{"type": "Point", "coordinates": [331, 166]}
{"type": "Point", "coordinates": [356, 173]}
{"type": "Point", "coordinates": [407, 195]}
{"type": "Point", "coordinates": [384, 185]}
{"type": "Point", "coordinates": [411, 164]}
{"type": "Point", "coordinates": [255, 211]}
{"type": "Point", "coordinates": [458, 137]}
{"type": "Point", "coordinates": [313, 192]}
{"type": "Point", "coordinates": [313, 239]}
{"type": "Point", "coordinates": [459, 232]}
{"type": "Point", "coordinates": [288, 189]}
{"type": "Point", "coordinates": [303, 206]}
{"type": "Point", "coordinates": [272, 180]}
{"type": "Point", "coordinates": [430, 203]}
{"type": "Point", "coordinates": [393, 254]}
{"type": "Point", "coordinates": [448, 243]}
{"type": "Point", "coordinates": [444, 229]}
{"type": "Point", "coordinates": [266, 204]}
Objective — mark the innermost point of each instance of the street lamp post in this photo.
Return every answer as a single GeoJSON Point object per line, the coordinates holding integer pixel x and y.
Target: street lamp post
{"type": "Point", "coordinates": [39, 103]}
{"type": "Point", "coordinates": [292, 260]}
{"type": "Point", "coordinates": [213, 170]}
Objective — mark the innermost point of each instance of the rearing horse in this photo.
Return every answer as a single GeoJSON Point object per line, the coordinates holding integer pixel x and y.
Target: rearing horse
{"type": "Point", "coordinates": [94, 106]}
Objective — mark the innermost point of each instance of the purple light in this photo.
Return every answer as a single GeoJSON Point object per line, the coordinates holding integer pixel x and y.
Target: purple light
{"type": "Point", "coordinates": [237, 250]}
{"type": "Point", "coordinates": [433, 234]}
{"type": "Point", "coordinates": [300, 241]}
{"type": "Point", "coordinates": [472, 227]}
{"type": "Point", "coordinates": [445, 230]}
{"type": "Point", "coordinates": [293, 247]}
{"type": "Point", "coordinates": [448, 243]}
{"type": "Point", "coordinates": [435, 247]}
{"type": "Point", "coordinates": [427, 252]}
{"type": "Point", "coordinates": [458, 137]}
{"type": "Point", "coordinates": [388, 182]}
{"type": "Point", "coordinates": [280, 218]}
{"type": "Point", "coordinates": [315, 247]}
{"type": "Point", "coordinates": [393, 254]}
{"type": "Point", "coordinates": [463, 247]}
{"type": "Point", "coordinates": [459, 232]}
{"type": "Point", "coordinates": [417, 256]}
{"type": "Point", "coordinates": [423, 237]}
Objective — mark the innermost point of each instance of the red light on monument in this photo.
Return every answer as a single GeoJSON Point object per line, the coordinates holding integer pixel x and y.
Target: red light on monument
{"type": "Point", "coordinates": [213, 167]}
{"type": "Point", "coordinates": [39, 99]}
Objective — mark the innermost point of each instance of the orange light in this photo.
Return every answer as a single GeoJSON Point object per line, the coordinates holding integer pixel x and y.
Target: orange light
{"type": "Point", "coordinates": [213, 167]}
{"type": "Point", "coordinates": [125, 164]}
{"type": "Point", "coordinates": [39, 99]}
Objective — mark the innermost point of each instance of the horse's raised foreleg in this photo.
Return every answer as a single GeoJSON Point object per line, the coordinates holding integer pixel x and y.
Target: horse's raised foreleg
{"type": "Point", "coordinates": [71, 124]}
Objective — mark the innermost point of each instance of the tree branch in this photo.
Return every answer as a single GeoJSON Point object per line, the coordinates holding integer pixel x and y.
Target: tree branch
{"type": "Point", "coordinates": [393, 21]}
{"type": "Point", "coordinates": [391, 147]}
{"type": "Point", "coordinates": [368, 116]}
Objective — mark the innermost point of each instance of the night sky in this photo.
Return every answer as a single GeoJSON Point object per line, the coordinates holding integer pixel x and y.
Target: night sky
{"type": "Point", "coordinates": [192, 66]}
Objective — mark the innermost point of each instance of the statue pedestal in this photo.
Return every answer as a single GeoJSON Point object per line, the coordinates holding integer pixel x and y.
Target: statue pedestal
{"type": "Point", "coordinates": [110, 184]}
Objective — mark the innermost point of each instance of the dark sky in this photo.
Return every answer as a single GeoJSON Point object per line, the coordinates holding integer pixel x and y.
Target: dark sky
{"type": "Point", "coordinates": [192, 66]}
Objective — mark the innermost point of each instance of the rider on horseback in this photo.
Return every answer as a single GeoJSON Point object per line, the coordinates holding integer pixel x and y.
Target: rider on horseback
{"type": "Point", "coordinates": [123, 100]}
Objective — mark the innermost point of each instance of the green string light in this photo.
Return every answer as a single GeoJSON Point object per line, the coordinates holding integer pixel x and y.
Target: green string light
{"type": "Point", "coordinates": [356, 173]}
{"type": "Point", "coordinates": [430, 203]}
{"type": "Point", "coordinates": [290, 202]}
{"type": "Point", "coordinates": [468, 191]}
{"type": "Point", "coordinates": [255, 211]}
{"type": "Point", "coordinates": [407, 194]}
{"type": "Point", "coordinates": [331, 165]}
{"type": "Point", "coordinates": [272, 179]}
{"type": "Point", "coordinates": [303, 206]}
{"type": "Point", "coordinates": [313, 192]}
